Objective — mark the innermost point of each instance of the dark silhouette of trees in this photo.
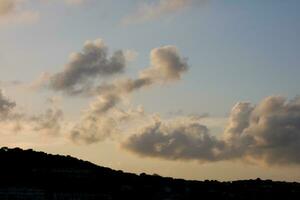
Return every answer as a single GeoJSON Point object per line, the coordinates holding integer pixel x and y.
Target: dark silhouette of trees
{"type": "Point", "coordinates": [27, 174]}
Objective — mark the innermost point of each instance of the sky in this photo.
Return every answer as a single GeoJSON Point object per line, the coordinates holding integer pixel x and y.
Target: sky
{"type": "Point", "coordinates": [195, 89]}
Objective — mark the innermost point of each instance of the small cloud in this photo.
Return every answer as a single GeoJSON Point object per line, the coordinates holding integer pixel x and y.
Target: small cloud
{"type": "Point", "coordinates": [10, 83]}
{"type": "Point", "coordinates": [150, 11]}
{"type": "Point", "coordinates": [74, 2]}
{"type": "Point", "coordinates": [40, 82]}
{"type": "Point", "coordinates": [12, 12]}
{"type": "Point", "coordinates": [130, 55]}
{"type": "Point", "coordinates": [5, 105]}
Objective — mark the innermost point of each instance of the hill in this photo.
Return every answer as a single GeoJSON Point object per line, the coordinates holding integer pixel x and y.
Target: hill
{"type": "Point", "coordinates": [26, 174]}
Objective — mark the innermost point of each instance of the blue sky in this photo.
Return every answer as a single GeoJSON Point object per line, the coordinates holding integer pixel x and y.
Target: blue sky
{"type": "Point", "coordinates": [236, 50]}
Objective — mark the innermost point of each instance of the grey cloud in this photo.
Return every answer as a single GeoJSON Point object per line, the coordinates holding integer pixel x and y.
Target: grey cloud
{"type": "Point", "coordinates": [268, 133]}
{"type": "Point", "coordinates": [105, 102]}
{"type": "Point", "coordinates": [239, 119]}
{"type": "Point", "coordinates": [166, 66]}
{"type": "Point", "coordinates": [130, 85]}
{"type": "Point", "coordinates": [173, 141]}
{"type": "Point", "coordinates": [80, 74]}
{"type": "Point", "coordinates": [17, 120]}
{"type": "Point", "coordinates": [48, 122]}
{"type": "Point", "coordinates": [93, 129]}
{"type": "Point", "coordinates": [273, 133]}
{"type": "Point", "coordinates": [84, 67]}
{"type": "Point", "coordinates": [5, 105]}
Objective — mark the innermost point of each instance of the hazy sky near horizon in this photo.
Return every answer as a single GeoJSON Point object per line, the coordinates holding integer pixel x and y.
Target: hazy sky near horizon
{"type": "Point", "coordinates": [198, 89]}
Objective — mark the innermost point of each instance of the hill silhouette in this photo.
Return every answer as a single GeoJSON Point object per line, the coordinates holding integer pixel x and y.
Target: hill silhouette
{"type": "Point", "coordinates": [26, 174]}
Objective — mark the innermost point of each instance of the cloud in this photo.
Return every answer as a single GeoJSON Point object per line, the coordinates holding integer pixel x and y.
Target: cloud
{"type": "Point", "coordinates": [82, 76]}
{"type": "Point", "coordinates": [94, 127]}
{"type": "Point", "coordinates": [74, 2]}
{"type": "Point", "coordinates": [268, 133]}
{"type": "Point", "coordinates": [85, 67]}
{"type": "Point", "coordinates": [49, 122]}
{"type": "Point", "coordinates": [5, 105]}
{"type": "Point", "coordinates": [7, 6]}
{"type": "Point", "coordinates": [272, 132]}
{"type": "Point", "coordinates": [10, 83]}
{"type": "Point", "coordinates": [16, 120]}
{"type": "Point", "coordinates": [13, 12]}
{"type": "Point", "coordinates": [174, 141]}
{"type": "Point", "coordinates": [99, 121]}
{"type": "Point", "coordinates": [166, 65]}
{"type": "Point", "coordinates": [155, 10]}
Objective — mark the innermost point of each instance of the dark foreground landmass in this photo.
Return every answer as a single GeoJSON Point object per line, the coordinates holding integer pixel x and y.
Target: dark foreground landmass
{"type": "Point", "coordinates": [26, 174]}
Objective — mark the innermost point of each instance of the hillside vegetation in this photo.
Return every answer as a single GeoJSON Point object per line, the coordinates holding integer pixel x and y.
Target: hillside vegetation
{"type": "Point", "coordinates": [27, 174]}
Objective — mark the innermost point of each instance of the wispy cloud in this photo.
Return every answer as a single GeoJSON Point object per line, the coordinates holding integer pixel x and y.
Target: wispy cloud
{"type": "Point", "coordinates": [13, 119]}
{"type": "Point", "coordinates": [13, 12]}
{"type": "Point", "coordinates": [150, 11]}
{"type": "Point", "coordinates": [75, 2]}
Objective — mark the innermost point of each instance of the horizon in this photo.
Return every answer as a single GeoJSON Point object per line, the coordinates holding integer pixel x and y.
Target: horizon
{"type": "Point", "coordinates": [138, 174]}
{"type": "Point", "coordinates": [193, 89]}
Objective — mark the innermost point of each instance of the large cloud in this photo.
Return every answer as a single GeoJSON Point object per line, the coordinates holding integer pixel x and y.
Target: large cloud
{"type": "Point", "coordinates": [98, 122]}
{"type": "Point", "coordinates": [84, 67]}
{"type": "Point", "coordinates": [175, 140]}
{"type": "Point", "coordinates": [272, 134]}
{"type": "Point", "coordinates": [166, 66]}
{"type": "Point", "coordinates": [267, 133]}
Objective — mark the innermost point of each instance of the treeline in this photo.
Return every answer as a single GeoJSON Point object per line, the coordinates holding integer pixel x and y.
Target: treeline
{"type": "Point", "coordinates": [27, 174]}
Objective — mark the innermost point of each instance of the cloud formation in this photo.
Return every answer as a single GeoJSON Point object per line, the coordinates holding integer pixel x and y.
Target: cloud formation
{"type": "Point", "coordinates": [74, 2]}
{"type": "Point", "coordinates": [12, 12]}
{"type": "Point", "coordinates": [5, 105]}
{"type": "Point", "coordinates": [16, 11]}
{"type": "Point", "coordinates": [175, 140]}
{"type": "Point", "coordinates": [49, 122]}
{"type": "Point", "coordinates": [85, 67]}
{"type": "Point", "coordinates": [7, 6]}
{"type": "Point", "coordinates": [99, 120]}
{"type": "Point", "coordinates": [268, 133]}
{"type": "Point", "coordinates": [271, 133]}
{"type": "Point", "coordinates": [16, 120]}
{"type": "Point", "coordinates": [150, 11]}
